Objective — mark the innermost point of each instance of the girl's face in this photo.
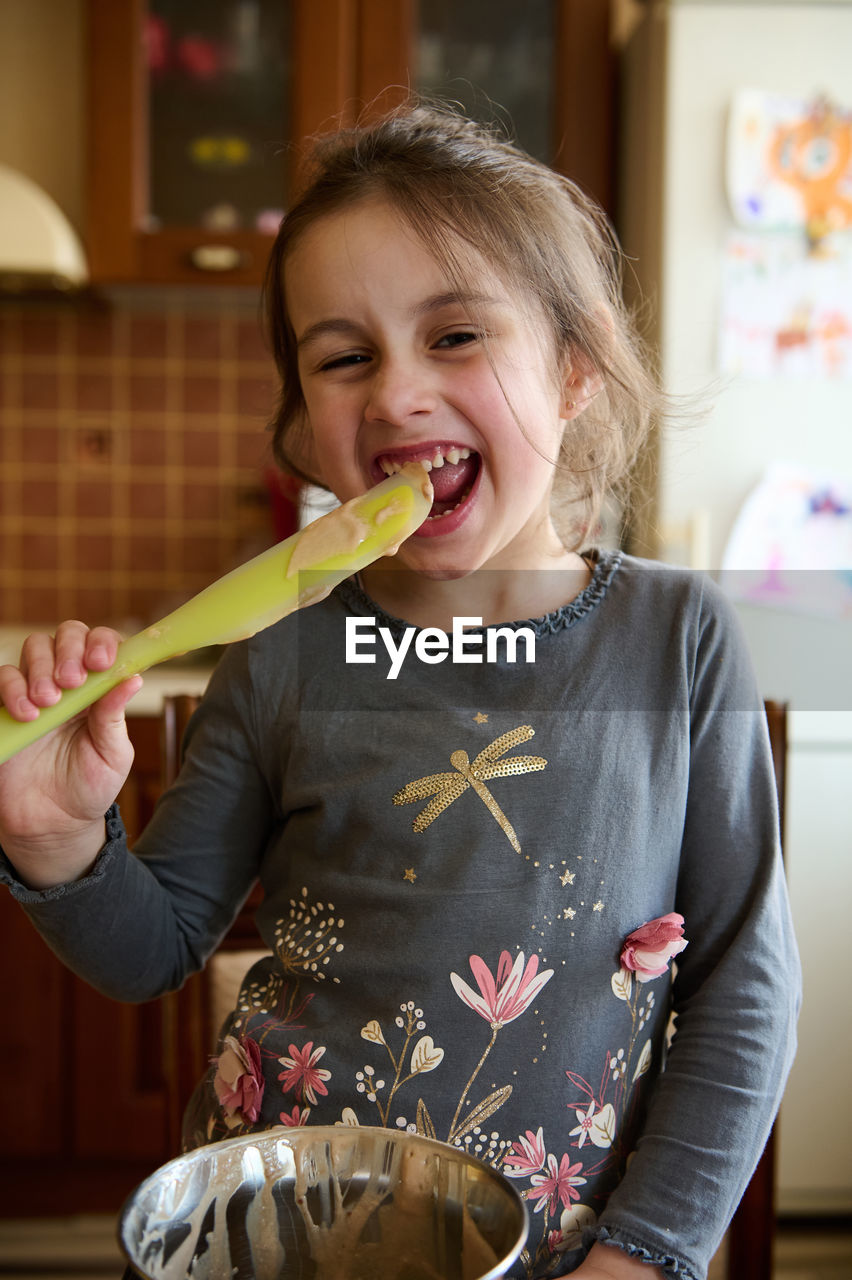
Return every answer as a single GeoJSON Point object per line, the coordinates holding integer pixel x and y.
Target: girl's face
{"type": "Point", "coordinates": [394, 367]}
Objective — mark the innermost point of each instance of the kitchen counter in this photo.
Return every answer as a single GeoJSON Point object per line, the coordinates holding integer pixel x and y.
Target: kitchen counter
{"type": "Point", "coordinates": [181, 675]}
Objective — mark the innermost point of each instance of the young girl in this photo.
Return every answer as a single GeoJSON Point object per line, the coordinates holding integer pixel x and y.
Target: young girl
{"type": "Point", "coordinates": [476, 873]}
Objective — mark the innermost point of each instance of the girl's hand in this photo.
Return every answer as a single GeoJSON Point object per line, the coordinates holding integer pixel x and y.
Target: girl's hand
{"type": "Point", "coordinates": [606, 1262]}
{"type": "Point", "coordinates": [53, 794]}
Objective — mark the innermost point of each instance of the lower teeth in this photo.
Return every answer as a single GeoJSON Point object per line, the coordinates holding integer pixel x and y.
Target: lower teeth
{"type": "Point", "coordinates": [442, 514]}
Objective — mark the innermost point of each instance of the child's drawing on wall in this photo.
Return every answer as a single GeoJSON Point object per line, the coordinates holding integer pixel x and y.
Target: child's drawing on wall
{"type": "Point", "coordinates": [787, 270]}
{"type": "Point", "coordinates": [789, 164]}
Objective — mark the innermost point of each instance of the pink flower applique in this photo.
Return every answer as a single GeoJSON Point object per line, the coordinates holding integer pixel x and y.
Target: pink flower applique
{"type": "Point", "coordinates": [504, 998]}
{"type": "Point", "coordinates": [527, 1156]}
{"type": "Point", "coordinates": [296, 1118]}
{"type": "Point", "coordinates": [556, 1242]}
{"type": "Point", "coordinates": [303, 1074]}
{"type": "Point", "coordinates": [648, 950]}
{"type": "Point", "coordinates": [238, 1081]}
{"type": "Point", "coordinates": [557, 1186]}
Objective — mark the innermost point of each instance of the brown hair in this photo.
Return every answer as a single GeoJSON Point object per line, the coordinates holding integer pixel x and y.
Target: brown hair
{"type": "Point", "coordinates": [454, 181]}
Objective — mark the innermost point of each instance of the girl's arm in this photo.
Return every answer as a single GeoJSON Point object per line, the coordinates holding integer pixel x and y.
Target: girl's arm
{"type": "Point", "coordinates": [137, 926]}
{"type": "Point", "coordinates": [738, 983]}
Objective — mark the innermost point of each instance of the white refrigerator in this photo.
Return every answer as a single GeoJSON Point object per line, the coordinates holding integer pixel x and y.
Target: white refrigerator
{"type": "Point", "coordinates": [685, 65]}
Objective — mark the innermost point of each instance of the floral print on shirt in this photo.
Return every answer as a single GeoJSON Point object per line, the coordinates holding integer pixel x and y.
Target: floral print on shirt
{"type": "Point", "coordinates": [551, 1176]}
{"type": "Point", "coordinates": [555, 1181]}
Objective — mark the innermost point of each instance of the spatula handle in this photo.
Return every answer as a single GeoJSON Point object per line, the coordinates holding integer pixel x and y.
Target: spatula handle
{"type": "Point", "coordinates": [299, 571]}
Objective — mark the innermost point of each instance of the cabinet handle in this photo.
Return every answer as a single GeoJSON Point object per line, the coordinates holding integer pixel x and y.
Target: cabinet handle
{"type": "Point", "coordinates": [218, 257]}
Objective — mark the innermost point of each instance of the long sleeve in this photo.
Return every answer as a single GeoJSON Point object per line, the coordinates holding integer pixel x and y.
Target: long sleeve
{"type": "Point", "coordinates": [738, 983]}
{"type": "Point", "coordinates": [142, 921]}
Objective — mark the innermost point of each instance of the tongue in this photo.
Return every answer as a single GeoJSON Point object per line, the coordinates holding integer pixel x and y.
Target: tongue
{"type": "Point", "coordinates": [450, 481]}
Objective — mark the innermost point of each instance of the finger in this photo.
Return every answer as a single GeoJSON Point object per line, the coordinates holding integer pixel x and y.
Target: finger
{"type": "Point", "coordinates": [101, 648]}
{"type": "Point", "coordinates": [37, 665]}
{"type": "Point", "coordinates": [123, 692]}
{"type": "Point", "coordinates": [70, 647]}
{"type": "Point", "coordinates": [107, 727]}
{"type": "Point", "coordinates": [14, 696]}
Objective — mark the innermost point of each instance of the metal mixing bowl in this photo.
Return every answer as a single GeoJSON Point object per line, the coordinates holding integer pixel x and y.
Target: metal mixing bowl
{"type": "Point", "coordinates": [324, 1203]}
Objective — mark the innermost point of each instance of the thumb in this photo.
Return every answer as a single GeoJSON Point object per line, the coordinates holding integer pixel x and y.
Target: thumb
{"type": "Point", "coordinates": [106, 717]}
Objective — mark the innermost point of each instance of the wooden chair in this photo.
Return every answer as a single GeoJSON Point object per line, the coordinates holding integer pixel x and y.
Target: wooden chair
{"type": "Point", "coordinates": [751, 1235]}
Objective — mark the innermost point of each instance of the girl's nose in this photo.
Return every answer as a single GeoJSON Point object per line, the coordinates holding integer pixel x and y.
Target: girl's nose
{"type": "Point", "coordinates": [399, 389]}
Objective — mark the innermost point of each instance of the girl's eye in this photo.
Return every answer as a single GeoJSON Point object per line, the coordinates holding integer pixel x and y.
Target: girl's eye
{"type": "Point", "coordinates": [460, 339]}
{"type": "Point", "coordinates": [346, 361]}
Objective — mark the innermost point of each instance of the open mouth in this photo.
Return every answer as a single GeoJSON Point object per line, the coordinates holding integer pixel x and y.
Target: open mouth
{"type": "Point", "coordinates": [453, 474]}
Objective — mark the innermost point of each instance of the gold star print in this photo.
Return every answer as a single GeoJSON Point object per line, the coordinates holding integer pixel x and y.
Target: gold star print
{"type": "Point", "coordinates": [447, 787]}
{"type": "Point", "coordinates": [480, 718]}
{"type": "Point", "coordinates": [567, 877]}
{"type": "Point", "coordinates": [598, 906]}
{"type": "Point", "coordinates": [410, 875]}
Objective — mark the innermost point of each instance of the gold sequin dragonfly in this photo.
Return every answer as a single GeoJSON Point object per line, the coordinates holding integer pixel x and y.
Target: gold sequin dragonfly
{"type": "Point", "coordinates": [447, 787]}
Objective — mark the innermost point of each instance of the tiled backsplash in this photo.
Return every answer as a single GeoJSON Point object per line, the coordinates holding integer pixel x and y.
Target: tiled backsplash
{"type": "Point", "coordinates": [133, 454]}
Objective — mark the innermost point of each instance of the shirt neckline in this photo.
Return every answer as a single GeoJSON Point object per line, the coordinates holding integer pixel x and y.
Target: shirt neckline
{"type": "Point", "coordinates": [605, 565]}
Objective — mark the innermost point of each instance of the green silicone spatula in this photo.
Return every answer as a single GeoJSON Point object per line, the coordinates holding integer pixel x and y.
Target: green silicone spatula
{"type": "Point", "coordinates": [296, 572]}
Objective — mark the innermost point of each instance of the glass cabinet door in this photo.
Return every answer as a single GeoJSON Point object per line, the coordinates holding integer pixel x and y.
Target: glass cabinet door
{"type": "Point", "coordinates": [496, 59]}
{"type": "Point", "coordinates": [196, 112]}
{"type": "Point", "coordinates": [218, 103]}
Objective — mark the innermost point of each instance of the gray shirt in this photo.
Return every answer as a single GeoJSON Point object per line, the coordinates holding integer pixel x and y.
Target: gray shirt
{"type": "Point", "coordinates": [451, 863]}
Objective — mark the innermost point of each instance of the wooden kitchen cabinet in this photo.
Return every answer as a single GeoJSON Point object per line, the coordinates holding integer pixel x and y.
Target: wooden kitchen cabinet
{"type": "Point", "coordinates": [185, 121]}
{"type": "Point", "coordinates": [142, 54]}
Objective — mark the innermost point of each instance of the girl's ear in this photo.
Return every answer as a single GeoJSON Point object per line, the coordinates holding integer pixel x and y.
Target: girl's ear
{"type": "Point", "coordinates": [580, 384]}
{"type": "Point", "coordinates": [583, 379]}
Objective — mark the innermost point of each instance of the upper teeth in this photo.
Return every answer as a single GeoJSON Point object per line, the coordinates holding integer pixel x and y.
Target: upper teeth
{"type": "Point", "coordinates": [391, 466]}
